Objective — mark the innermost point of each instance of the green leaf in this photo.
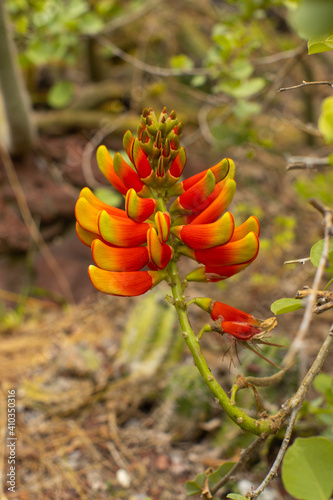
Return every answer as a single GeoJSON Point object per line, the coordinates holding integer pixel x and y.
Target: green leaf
{"type": "Point", "coordinates": [316, 252]}
{"type": "Point", "coordinates": [181, 61]}
{"type": "Point", "coordinates": [325, 122]}
{"type": "Point", "coordinates": [245, 109]}
{"type": "Point", "coordinates": [307, 469]}
{"type": "Point", "coordinates": [219, 473]}
{"type": "Point", "coordinates": [109, 196]}
{"type": "Point", "coordinates": [242, 89]}
{"type": "Point", "coordinates": [195, 487]}
{"type": "Point", "coordinates": [286, 305]}
{"type": "Point", "coordinates": [236, 496]}
{"type": "Point", "coordinates": [318, 44]}
{"type": "Point", "coordinates": [60, 94]}
{"type": "Point", "coordinates": [322, 383]}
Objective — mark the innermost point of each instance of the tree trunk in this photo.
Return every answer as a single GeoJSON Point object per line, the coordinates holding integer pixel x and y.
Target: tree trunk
{"type": "Point", "coordinates": [16, 102]}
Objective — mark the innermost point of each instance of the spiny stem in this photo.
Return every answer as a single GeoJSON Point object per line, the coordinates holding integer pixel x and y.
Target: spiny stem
{"type": "Point", "coordinates": [247, 423]}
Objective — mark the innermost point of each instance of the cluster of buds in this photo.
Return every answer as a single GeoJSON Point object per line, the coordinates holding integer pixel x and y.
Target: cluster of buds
{"type": "Point", "coordinates": [133, 247]}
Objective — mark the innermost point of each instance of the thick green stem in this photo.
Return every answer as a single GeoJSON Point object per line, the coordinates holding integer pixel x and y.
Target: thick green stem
{"type": "Point", "coordinates": [15, 97]}
{"type": "Point", "coordinates": [238, 416]}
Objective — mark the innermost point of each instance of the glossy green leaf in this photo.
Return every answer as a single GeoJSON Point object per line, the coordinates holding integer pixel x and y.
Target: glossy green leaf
{"type": "Point", "coordinates": [60, 94]}
{"type": "Point", "coordinates": [316, 252]}
{"type": "Point", "coordinates": [307, 469]}
{"type": "Point", "coordinates": [282, 306]}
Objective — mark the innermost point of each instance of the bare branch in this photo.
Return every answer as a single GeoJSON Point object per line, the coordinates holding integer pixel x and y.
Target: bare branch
{"type": "Point", "coordinates": [153, 70]}
{"type": "Point", "coordinates": [306, 162]}
{"type": "Point", "coordinates": [305, 324]}
{"type": "Point", "coordinates": [306, 84]}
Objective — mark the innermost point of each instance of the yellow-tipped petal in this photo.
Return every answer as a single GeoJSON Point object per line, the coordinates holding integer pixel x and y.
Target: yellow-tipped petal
{"type": "Point", "coordinates": [126, 284]}
{"type": "Point", "coordinates": [138, 209]}
{"type": "Point", "coordinates": [122, 232]}
{"type": "Point", "coordinates": [234, 252]}
{"type": "Point", "coordinates": [119, 259]}
{"type": "Point", "coordinates": [251, 224]}
{"type": "Point", "coordinates": [202, 236]}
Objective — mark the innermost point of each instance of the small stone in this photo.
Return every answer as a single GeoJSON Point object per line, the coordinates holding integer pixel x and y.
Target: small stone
{"type": "Point", "coordinates": [123, 477]}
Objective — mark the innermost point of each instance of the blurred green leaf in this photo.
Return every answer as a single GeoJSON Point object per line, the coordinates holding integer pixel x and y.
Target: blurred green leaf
{"type": "Point", "coordinates": [242, 89]}
{"type": "Point", "coordinates": [318, 44]}
{"type": "Point", "coordinates": [109, 196]}
{"type": "Point", "coordinates": [307, 469]}
{"type": "Point", "coordinates": [236, 496]}
{"type": "Point", "coordinates": [316, 252]}
{"type": "Point", "coordinates": [325, 122]}
{"type": "Point", "coordinates": [60, 94]}
{"type": "Point", "coordinates": [245, 109]}
{"type": "Point", "coordinates": [181, 61]}
{"type": "Point", "coordinates": [195, 487]}
{"type": "Point", "coordinates": [286, 305]}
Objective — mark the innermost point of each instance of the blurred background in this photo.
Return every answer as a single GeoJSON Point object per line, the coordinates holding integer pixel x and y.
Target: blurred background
{"type": "Point", "coordinates": [102, 386]}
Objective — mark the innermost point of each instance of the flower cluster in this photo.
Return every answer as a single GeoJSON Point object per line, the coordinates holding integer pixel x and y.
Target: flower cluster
{"type": "Point", "coordinates": [133, 247]}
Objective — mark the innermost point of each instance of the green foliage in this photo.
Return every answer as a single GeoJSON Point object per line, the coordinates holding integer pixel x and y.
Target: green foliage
{"type": "Point", "coordinates": [195, 487]}
{"type": "Point", "coordinates": [181, 61]}
{"type": "Point", "coordinates": [317, 186]}
{"type": "Point", "coordinates": [325, 122]}
{"type": "Point", "coordinates": [318, 44]}
{"type": "Point", "coordinates": [282, 306]}
{"type": "Point", "coordinates": [236, 496]}
{"type": "Point", "coordinates": [60, 94]}
{"type": "Point", "coordinates": [109, 196]}
{"type": "Point", "coordinates": [307, 468]}
{"type": "Point", "coordinates": [316, 252]}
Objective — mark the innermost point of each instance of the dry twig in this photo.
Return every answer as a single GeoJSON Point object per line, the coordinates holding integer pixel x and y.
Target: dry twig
{"type": "Point", "coordinates": [306, 84]}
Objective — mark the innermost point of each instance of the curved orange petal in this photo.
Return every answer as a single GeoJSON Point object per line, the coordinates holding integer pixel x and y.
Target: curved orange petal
{"type": "Point", "coordinates": [121, 232]}
{"type": "Point", "coordinates": [105, 164]}
{"type": "Point", "coordinates": [234, 252]}
{"type": "Point", "coordinates": [240, 331]}
{"type": "Point", "coordinates": [125, 284]}
{"type": "Point", "coordinates": [138, 209]}
{"type": "Point", "coordinates": [224, 312]}
{"type": "Point", "coordinates": [214, 274]}
{"type": "Point", "coordinates": [162, 221]}
{"type": "Point", "coordinates": [220, 170]}
{"type": "Point", "coordinates": [159, 253]}
{"type": "Point", "coordinates": [118, 259]}
{"type": "Point", "coordinates": [140, 160]}
{"type": "Point", "coordinates": [87, 215]}
{"type": "Point", "coordinates": [251, 224]}
{"type": "Point", "coordinates": [178, 164]}
{"type": "Point", "coordinates": [202, 236]}
{"type": "Point", "coordinates": [86, 237]}
{"type": "Point", "coordinates": [214, 207]}
{"type": "Point", "coordinates": [128, 141]}
{"type": "Point", "coordinates": [100, 205]}
{"type": "Point", "coordinates": [196, 195]}
{"type": "Point", "coordinates": [126, 173]}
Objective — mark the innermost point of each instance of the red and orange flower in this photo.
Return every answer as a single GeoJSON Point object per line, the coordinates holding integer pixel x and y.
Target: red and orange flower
{"type": "Point", "coordinates": [133, 247]}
